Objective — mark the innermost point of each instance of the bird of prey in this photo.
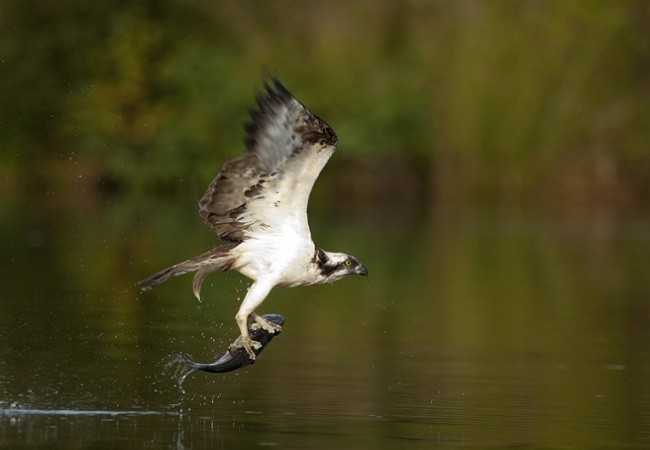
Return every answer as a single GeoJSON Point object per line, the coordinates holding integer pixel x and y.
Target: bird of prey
{"type": "Point", "coordinates": [257, 205]}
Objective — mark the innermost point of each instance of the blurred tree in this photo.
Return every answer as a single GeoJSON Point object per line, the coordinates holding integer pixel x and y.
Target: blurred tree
{"type": "Point", "coordinates": [500, 99]}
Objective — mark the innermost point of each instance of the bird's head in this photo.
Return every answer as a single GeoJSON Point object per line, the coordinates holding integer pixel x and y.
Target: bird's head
{"type": "Point", "coordinates": [334, 266]}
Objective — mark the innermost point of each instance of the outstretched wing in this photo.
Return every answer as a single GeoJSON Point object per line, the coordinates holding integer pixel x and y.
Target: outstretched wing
{"type": "Point", "coordinates": [267, 189]}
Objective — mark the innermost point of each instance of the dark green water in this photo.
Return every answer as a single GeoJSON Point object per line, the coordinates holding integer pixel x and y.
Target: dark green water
{"type": "Point", "coordinates": [475, 329]}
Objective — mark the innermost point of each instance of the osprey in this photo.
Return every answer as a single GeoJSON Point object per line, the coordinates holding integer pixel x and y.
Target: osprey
{"type": "Point", "coordinates": [257, 204]}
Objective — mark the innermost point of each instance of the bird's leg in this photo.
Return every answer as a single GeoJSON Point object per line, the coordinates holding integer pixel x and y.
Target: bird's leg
{"type": "Point", "coordinates": [262, 323]}
{"type": "Point", "coordinates": [255, 296]}
{"type": "Point", "coordinates": [245, 341]}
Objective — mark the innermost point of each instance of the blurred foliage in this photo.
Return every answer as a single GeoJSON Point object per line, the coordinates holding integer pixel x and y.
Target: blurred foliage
{"type": "Point", "coordinates": [469, 98]}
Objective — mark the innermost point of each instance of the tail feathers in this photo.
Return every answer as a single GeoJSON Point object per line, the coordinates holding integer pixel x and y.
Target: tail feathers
{"type": "Point", "coordinates": [198, 279]}
{"type": "Point", "coordinates": [217, 259]}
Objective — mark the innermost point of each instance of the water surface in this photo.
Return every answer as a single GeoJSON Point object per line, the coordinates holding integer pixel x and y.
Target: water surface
{"type": "Point", "coordinates": [476, 328]}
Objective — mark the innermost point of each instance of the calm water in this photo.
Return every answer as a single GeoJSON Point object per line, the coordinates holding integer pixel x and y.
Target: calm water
{"type": "Point", "coordinates": [475, 329]}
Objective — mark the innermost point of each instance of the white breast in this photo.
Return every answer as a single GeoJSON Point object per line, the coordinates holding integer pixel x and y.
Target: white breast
{"type": "Point", "coordinates": [281, 258]}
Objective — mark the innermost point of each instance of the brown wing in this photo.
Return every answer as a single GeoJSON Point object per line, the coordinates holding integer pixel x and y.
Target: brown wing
{"type": "Point", "coordinates": [287, 146]}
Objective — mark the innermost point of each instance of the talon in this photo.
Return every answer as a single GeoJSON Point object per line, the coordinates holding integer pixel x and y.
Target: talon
{"type": "Point", "coordinates": [266, 325]}
{"type": "Point", "coordinates": [247, 344]}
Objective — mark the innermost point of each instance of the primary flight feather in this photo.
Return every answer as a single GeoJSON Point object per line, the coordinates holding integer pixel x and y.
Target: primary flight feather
{"type": "Point", "coordinates": [257, 204]}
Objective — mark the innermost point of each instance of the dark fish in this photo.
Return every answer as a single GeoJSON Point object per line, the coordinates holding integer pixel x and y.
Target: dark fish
{"type": "Point", "coordinates": [236, 359]}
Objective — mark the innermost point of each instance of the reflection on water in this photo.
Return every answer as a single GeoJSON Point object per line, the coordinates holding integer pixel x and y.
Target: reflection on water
{"type": "Point", "coordinates": [475, 328]}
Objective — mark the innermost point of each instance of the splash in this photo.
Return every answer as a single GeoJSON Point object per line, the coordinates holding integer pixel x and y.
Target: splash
{"type": "Point", "coordinates": [176, 368]}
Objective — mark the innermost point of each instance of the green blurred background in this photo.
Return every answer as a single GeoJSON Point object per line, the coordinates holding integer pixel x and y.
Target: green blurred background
{"type": "Point", "coordinates": [493, 174]}
{"type": "Point", "coordinates": [513, 101]}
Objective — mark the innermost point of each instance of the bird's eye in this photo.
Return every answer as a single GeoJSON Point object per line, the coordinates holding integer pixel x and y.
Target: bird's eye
{"type": "Point", "coordinates": [348, 263]}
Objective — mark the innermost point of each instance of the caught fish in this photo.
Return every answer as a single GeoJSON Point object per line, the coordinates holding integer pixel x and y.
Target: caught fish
{"type": "Point", "coordinates": [236, 357]}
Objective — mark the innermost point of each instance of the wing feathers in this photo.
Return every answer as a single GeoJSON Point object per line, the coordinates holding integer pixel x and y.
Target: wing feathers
{"type": "Point", "coordinates": [287, 146]}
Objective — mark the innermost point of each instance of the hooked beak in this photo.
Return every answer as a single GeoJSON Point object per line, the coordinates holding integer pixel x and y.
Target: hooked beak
{"type": "Point", "coordinates": [361, 270]}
